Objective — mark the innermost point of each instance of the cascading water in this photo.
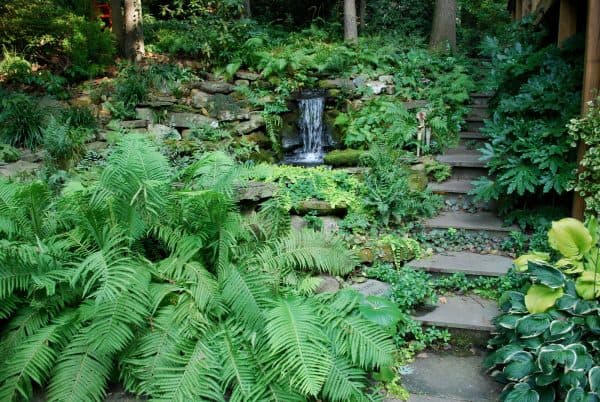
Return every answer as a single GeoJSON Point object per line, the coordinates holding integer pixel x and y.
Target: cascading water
{"type": "Point", "coordinates": [311, 129]}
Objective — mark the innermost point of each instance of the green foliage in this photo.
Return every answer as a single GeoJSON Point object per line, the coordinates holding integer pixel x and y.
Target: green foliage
{"type": "Point", "coordinates": [436, 170]}
{"type": "Point", "coordinates": [171, 287]}
{"type": "Point", "coordinates": [131, 86]}
{"type": "Point", "coordinates": [490, 287]}
{"type": "Point", "coordinates": [64, 142]}
{"type": "Point", "coordinates": [587, 130]}
{"type": "Point", "coordinates": [22, 120]}
{"type": "Point", "coordinates": [529, 152]}
{"type": "Point", "coordinates": [343, 157]}
{"type": "Point", "coordinates": [9, 154]}
{"type": "Point", "coordinates": [546, 345]}
{"type": "Point", "coordinates": [14, 68]}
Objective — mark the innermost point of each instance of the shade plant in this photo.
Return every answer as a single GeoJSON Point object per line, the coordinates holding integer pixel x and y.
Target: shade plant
{"type": "Point", "coordinates": [168, 289]}
{"type": "Point", "coordinates": [546, 347]}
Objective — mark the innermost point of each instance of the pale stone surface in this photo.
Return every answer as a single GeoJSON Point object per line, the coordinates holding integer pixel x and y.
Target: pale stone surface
{"type": "Point", "coordinates": [161, 132]}
{"type": "Point", "coordinates": [189, 120]}
{"type": "Point", "coordinates": [337, 83]}
{"type": "Point", "coordinates": [328, 284]}
{"type": "Point", "coordinates": [131, 124]}
{"type": "Point", "coordinates": [452, 186]}
{"type": "Point", "coordinates": [461, 312]}
{"type": "Point", "coordinates": [18, 168]}
{"type": "Point", "coordinates": [144, 113]}
{"type": "Point", "coordinates": [376, 86]}
{"type": "Point", "coordinates": [241, 83]}
{"type": "Point", "coordinates": [256, 121]}
{"type": "Point", "coordinates": [387, 79]}
{"type": "Point", "coordinates": [372, 287]}
{"type": "Point", "coordinates": [255, 191]}
{"type": "Point", "coordinates": [435, 377]}
{"type": "Point", "coordinates": [321, 207]}
{"type": "Point", "coordinates": [214, 87]}
{"type": "Point", "coordinates": [462, 157]}
{"type": "Point", "coordinates": [464, 262]}
{"type": "Point", "coordinates": [233, 115]}
{"type": "Point", "coordinates": [247, 75]}
{"type": "Point", "coordinates": [159, 101]}
{"type": "Point", "coordinates": [481, 221]}
{"type": "Point", "coordinates": [200, 99]}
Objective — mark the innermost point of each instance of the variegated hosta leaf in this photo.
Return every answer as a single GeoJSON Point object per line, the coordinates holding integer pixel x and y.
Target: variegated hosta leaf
{"type": "Point", "coordinates": [533, 325]}
{"type": "Point", "coordinates": [588, 285]}
{"type": "Point", "coordinates": [551, 356]}
{"type": "Point", "coordinates": [522, 392]}
{"type": "Point", "coordinates": [521, 263]}
{"type": "Point", "coordinates": [546, 275]}
{"type": "Point", "coordinates": [570, 237]}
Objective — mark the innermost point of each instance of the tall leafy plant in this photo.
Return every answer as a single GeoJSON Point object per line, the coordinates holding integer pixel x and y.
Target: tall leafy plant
{"type": "Point", "coordinates": [173, 292]}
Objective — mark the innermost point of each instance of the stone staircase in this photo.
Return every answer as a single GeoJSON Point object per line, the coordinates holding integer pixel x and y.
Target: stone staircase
{"type": "Point", "coordinates": [468, 315]}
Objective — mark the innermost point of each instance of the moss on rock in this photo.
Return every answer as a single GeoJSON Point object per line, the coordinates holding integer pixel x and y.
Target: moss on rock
{"type": "Point", "coordinates": [344, 157]}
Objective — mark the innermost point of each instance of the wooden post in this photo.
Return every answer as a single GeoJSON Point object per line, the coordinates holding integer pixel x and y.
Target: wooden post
{"type": "Point", "coordinates": [591, 82]}
{"type": "Point", "coordinates": [518, 9]}
{"type": "Point", "coordinates": [567, 22]}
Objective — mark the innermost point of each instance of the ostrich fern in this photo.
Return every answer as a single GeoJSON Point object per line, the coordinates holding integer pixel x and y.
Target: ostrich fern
{"type": "Point", "coordinates": [173, 292]}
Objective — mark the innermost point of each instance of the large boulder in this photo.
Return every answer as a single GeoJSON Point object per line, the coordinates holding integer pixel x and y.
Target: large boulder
{"type": "Point", "coordinates": [189, 120]}
{"type": "Point", "coordinates": [216, 87]}
{"type": "Point", "coordinates": [343, 157]}
{"type": "Point", "coordinates": [233, 115]}
{"type": "Point", "coordinates": [255, 191]}
{"type": "Point", "coordinates": [256, 121]}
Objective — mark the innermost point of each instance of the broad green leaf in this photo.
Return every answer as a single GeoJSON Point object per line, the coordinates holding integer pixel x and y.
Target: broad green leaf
{"type": "Point", "coordinates": [513, 302]}
{"type": "Point", "coordinates": [519, 365]}
{"type": "Point", "coordinates": [380, 311]}
{"type": "Point", "coordinates": [594, 379]}
{"type": "Point", "coordinates": [560, 327]}
{"type": "Point", "coordinates": [540, 298]}
{"type": "Point", "coordinates": [533, 325]}
{"type": "Point", "coordinates": [546, 275]}
{"type": "Point", "coordinates": [508, 321]}
{"type": "Point", "coordinates": [551, 356]}
{"type": "Point", "coordinates": [570, 237]}
{"type": "Point", "coordinates": [521, 263]}
{"type": "Point", "coordinates": [588, 285]}
{"type": "Point", "coordinates": [593, 323]}
{"type": "Point", "coordinates": [522, 392]}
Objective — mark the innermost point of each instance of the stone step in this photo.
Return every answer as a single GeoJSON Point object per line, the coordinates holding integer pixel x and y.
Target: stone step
{"type": "Point", "coordinates": [474, 125]}
{"type": "Point", "coordinates": [461, 156]}
{"type": "Point", "coordinates": [472, 135]}
{"type": "Point", "coordinates": [469, 312]}
{"type": "Point", "coordinates": [468, 173]}
{"type": "Point", "coordinates": [481, 221]}
{"type": "Point", "coordinates": [478, 112]}
{"type": "Point", "coordinates": [464, 262]}
{"type": "Point", "coordinates": [452, 186]}
{"type": "Point", "coordinates": [444, 377]}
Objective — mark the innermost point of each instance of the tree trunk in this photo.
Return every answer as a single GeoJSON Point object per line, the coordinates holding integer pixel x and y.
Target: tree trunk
{"type": "Point", "coordinates": [116, 16]}
{"type": "Point", "coordinates": [134, 32]}
{"type": "Point", "coordinates": [350, 28]}
{"type": "Point", "coordinates": [363, 15]}
{"type": "Point", "coordinates": [443, 32]}
{"type": "Point", "coordinates": [247, 9]}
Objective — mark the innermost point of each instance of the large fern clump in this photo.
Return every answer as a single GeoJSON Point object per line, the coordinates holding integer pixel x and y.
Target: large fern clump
{"type": "Point", "coordinates": [169, 290]}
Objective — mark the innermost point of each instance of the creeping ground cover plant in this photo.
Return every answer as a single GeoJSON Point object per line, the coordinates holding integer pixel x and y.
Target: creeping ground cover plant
{"type": "Point", "coordinates": [547, 343]}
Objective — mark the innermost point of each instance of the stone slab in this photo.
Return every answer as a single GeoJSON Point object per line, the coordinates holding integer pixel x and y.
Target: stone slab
{"type": "Point", "coordinates": [436, 377]}
{"type": "Point", "coordinates": [452, 186]}
{"type": "Point", "coordinates": [465, 262]}
{"type": "Point", "coordinates": [19, 168]}
{"type": "Point", "coordinates": [472, 135]}
{"type": "Point", "coordinates": [462, 157]}
{"type": "Point", "coordinates": [372, 287]}
{"type": "Point", "coordinates": [481, 221]}
{"type": "Point", "coordinates": [461, 312]}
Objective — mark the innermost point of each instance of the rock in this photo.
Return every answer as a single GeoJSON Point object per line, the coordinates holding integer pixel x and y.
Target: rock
{"type": "Point", "coordinates": [241, 83]}
{"type": "Point", "coordinates": [256, 191]}
{"type": "Point", "coordinates": [417, 180]}
{"type": "Point", "coordinates": [387, 79]}
{"type": "Point", "coordinates": [200, 99]}
{"type": "Point", "coordinates": [366, 255]}
{"type": "Point", "coordinates": [343, 157]}
{"type": "Point", "coordinates": [390, 90]}
{"type": "Point", "coordinates": [321, 207]}
{"type": "Point", "coordinates": [255, 122]}
{"type": "Point", "coordinates": [233, 115]}
{"type": "Point", "coordinates": [297, 223]}
{"type": "Point", "coordinates": [376, 86]}
{"type": "Point", "coordinates": [372, 287]}
{"type": "Point", "coordinates": [259, 138]}
{"type": "Point", "coordinates": [131, 124]}
{"type": "Point", "coordinates": [29, 156]}
{"type": "Point", "coordinates": [337, 83]}
{"type": "Point", "coordinates": [160, 132]}
{"type": "Point", "coordinates": [97, 146]}
{"type": "Point", "coordinates": [159, 101]}
{"type": "Point", "coordinates": [415, 104]}
{"type": "Point", "coordinates": [144, 113]}
{"type": "Point", "coordinates": [289, 143]}
{"type": "Point", "coordinates": [247, 75]}
{"type": "Point", "coordinates": [331, 224]}
{"type": "Point", "coordinates": [360, 80]}
{"type": "Point", "coordinates": [216, 87]}
{"type": "Point", "coordinates": [19, 168]}
{"type": "Point", "coordinates": [82, 101]}
{"type": "Point", "coordinates": [328, 284]}
{"type": "Point", "coordinates": [189, 120]}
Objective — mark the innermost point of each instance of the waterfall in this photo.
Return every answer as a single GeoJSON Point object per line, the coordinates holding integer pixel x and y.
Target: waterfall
{"type": "Point", "coordinates": [311, 130]}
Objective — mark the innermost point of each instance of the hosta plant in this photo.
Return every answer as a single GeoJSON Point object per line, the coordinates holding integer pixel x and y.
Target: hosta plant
{"type": "Point", "coordinates": [157, 281]}
{"type": "Point", "coordinates": [547, 347]}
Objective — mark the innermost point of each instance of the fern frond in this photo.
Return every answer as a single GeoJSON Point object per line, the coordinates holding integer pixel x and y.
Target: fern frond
{"type": "Point", "coordinates": [239, 370]}
{"type": "Point", "coordinates": [190, 373]}
{"type": "Point", "coordinates": [246, 294]}
{"type": "Point", "coordinates": [298, 342]}
{"type": "Point", "coordinates": [81, 374]}
{"type": "Point", "coordinates": [345, 382]}
{"type": "Point", "coordinates": [7, 306]}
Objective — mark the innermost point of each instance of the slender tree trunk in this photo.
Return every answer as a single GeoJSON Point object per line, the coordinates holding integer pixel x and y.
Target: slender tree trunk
{"type": "Point", "coordinates": [443, 32]}
{"type": "Point", "coordinates": [363, 15]}
{"type": "Point", "coordinates": [116, 16]}
{"type": "Point", "coordinates": [350, 28]}
{"type": "Point", "coordinates": [134, 32]}
{"type": "Point", "coordinates": [247, 9]}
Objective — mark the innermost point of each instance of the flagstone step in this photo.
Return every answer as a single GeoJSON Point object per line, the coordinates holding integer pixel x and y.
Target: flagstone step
{"type": "Point", "coordinates": [464, 262]}
{"type": "Point", "coordinates": [452, 186]}
{"type": "Point", "coordinates": [469, 312]}
{"type": "Point", "coordinates": [472, 135]}
{"type": "Point", "coordinates": [444, 377]}
{"type": "Point", "coordinates": [481, 221]}
{"type": "Point", "coordinates": [462, 157]}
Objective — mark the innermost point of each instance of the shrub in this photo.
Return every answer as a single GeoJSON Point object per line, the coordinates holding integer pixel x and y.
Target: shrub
{"type": "Point", "coordinates": [587, 130]}
{"type": "Point", "coordinates": [529, 152]}
{"type": "Point", "coordinates": [22, 120]}
{"type": "Point", "coordinates": [14, 68]}
{"type": "Point", "coordinates": [64, 143]}
{"type": "Point", "coordinates": [9, 154]}
{"type": "Point", "coordinates": [546, 348]}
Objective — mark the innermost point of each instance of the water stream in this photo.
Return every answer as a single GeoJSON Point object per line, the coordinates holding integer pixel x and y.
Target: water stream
{"type": "Point", "coordinates": [311, 130]}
